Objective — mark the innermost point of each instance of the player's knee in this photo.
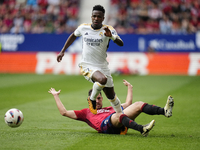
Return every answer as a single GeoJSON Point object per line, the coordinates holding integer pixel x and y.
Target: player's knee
{"type": "Point", "coordinates": [103, 80]}
{"type": "Point", "coordinates": [110, 96]}
{"type": "Point", "coordinates": [99, 77]}
{"type": "Point", "coordinates": [139, 105]}
{"type": "Point", "coordinates": [118, 117]}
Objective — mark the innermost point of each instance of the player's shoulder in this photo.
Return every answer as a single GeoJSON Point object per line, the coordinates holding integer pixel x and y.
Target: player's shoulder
{"type": "Point", "coordinates": [109, 107]}
{"type": "Point", "coordinates": [109, 27]}
{"type": "Point", "coordinates": [84, 25]}
{"type": "Point", "coordinates": [84, 111]}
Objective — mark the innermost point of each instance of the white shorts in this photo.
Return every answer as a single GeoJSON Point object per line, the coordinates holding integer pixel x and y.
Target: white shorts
{"type": "Point", "coordinates": [88, 70]}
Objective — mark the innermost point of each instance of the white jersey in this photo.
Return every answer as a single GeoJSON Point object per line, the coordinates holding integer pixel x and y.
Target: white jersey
{"type": "Point", "coordinates": [95, 44]}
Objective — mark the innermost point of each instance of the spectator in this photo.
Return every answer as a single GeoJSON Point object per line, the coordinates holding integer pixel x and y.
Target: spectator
{"type": "Point", "coordinates": [32, 4]}
{"type": "Point", "coordinates": [18, 20]}
{"type": "Point", "coordinates": [27, 23]}
{"type": "Point", "coordinates": [48, 24]}
{"type": "Point", "coordinates": [20, 2]}
{"type": "Point", "coordinates": [43, 3]}
{"type": "Point", "coordinates": [165, 25]}
{"type": "Point", "coordinates": [176, 28]}
{"type": "Point", "coordinates": [141, 27]}
{"type": "Point", "coordinates": [17, 29]}
{"type": "Point", "coordinates": [71, 24]}
{"type": "Point", "coordinates": [3, 27]}
{"type": "Point", "coordinates": [112, 17]}
{"type": "Point", "coordinates": [53, 7]}
{"type": "Point", "coordinates": [132, 12]}
{"type": "Point", "coordinates": [152, 26]}
{"type": "Point", "coordinates": [143, 12]}
{"type": "Point", "coordinates": [60, 29]}
{"type": "Point", "coordinates": [155, 12]}
{"type": "Point", "coordinates": [8, 20]}
{"type": "Point", "coordinates": [38, 27]}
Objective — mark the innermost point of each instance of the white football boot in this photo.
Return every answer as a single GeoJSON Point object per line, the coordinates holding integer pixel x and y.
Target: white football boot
{"type": "Point", "coordinates": [148, 127]}
{"type": "Point", "coordinates": [168, 107]}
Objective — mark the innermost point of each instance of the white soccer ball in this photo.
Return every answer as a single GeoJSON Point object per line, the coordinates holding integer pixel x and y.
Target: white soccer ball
{"type": "Point", "coordinates": [14, 117]}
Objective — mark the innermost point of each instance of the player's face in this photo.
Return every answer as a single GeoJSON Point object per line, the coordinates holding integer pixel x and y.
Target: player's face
{"type": "Point", "coordinates": [99, 100]}
{"type": "Point", "coordinates": [97, 19]}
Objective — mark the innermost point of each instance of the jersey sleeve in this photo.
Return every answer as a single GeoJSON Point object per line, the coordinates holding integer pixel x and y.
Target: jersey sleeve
{"type": "Point", "coordinates": [112, 30]}
{"type": "Point", "coordinates": [77, 32]}
{"type": "Point", "coordinates": [81, 114]}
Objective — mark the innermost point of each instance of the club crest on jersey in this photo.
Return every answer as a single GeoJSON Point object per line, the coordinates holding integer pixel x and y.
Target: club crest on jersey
{"type": "Point", "coordinates": [101, 34]}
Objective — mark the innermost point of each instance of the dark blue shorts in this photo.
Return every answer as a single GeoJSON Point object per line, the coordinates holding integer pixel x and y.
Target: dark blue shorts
{"type": "Point", "coordinates": [107, 127]}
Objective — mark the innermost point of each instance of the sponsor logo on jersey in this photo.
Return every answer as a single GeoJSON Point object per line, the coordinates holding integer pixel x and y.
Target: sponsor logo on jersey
{"type": "Point", "coordinates": [93, 42]}
{"type": "Point", "coordinates": [102, 110]}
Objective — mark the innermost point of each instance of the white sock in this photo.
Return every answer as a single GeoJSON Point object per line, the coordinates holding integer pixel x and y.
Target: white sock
{"type": "Point", "coordinates": [116, 104]}
{"type": "Point", "coordinates": [97, 87]}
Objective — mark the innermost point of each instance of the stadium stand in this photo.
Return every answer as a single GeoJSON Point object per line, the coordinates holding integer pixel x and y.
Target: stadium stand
{"type": "Point", "coordinates": [38, 16]}
{"type": "Point", "coordinates": [155, 16]}
{"type": "Point", "coordinates": [126, 16]}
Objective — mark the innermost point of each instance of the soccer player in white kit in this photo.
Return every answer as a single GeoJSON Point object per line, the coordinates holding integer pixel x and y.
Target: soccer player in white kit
{"type": "Point", "coordinates": [94, 66]}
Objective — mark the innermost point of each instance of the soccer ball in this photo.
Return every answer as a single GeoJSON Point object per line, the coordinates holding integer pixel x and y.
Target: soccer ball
{"type": "Point", "coordinates": [14, 117]}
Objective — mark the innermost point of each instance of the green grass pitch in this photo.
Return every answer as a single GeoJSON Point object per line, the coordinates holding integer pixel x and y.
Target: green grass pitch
{"type": "Point", "coordinates": [44, 128]}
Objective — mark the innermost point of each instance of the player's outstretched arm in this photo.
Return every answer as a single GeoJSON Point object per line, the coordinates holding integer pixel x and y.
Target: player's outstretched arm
{"type": "Point", "coordinates": [61, 107]}
{"type": "Point", "coordinates": [129, 97]}
{"type": "Point", "coordinates": [69, 41]}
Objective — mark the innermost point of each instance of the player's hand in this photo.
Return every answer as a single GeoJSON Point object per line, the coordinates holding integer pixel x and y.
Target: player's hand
{"type": "Point", "coordinates": [60, 56]}
{"type": "Point", "coordinates": [107, 32]}
{"type": "Point", "coordinates": [126, 83]}
{"type": "Point", "coordinates": [54, 92]}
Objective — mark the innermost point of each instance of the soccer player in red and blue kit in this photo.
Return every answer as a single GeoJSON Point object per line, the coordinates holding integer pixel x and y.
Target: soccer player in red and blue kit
{"type": "Point", "coordinates": [108, 121]}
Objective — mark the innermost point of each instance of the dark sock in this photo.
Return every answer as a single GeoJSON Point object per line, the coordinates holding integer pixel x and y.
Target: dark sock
{"type": "Point", "coordinates": [130, 123]}
{"type": "Point", "coordinates": [152, 109]}
{"type": "Point", "coordinates": [94, 103]}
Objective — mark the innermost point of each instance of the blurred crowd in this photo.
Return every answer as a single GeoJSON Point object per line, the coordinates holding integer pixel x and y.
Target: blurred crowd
{"type": "Point", "coordinates": [126, 16]}
{"type": "Point", "coordinates": [38, 16]}
{"type": "Point", "coordinates": [155, 16]}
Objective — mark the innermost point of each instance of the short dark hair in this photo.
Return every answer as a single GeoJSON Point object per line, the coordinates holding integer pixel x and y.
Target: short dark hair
{"type": "Point", "coordinates": [99, 8]}
{"type": "Point", "coordinates": [90, 92]}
